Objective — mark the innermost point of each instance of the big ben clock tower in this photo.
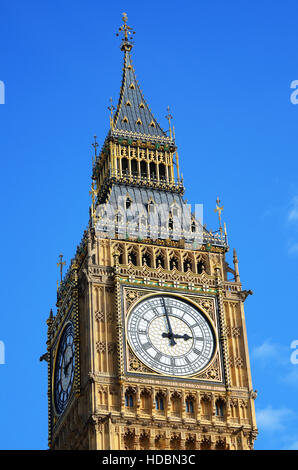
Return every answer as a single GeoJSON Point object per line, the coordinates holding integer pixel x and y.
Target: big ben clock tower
{"type": "Point", "coordinates": [148, 349]}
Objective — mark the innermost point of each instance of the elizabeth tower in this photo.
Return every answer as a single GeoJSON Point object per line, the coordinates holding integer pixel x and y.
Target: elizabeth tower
{"type": "Point", "coordinates": [148, 349]}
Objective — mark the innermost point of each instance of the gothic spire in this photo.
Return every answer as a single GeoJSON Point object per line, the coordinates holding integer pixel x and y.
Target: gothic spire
{"type": "Point", "coordinates": [133, 116]}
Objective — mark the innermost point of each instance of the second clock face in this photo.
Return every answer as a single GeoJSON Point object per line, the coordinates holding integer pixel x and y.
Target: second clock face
{"type": "Point", "coordinates": [170, 336]}
{"type": "Point", "coordinates": [64, 369]}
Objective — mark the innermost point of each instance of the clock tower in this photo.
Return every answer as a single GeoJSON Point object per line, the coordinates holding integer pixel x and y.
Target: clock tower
{"type": "Point", "coordinates": [148, 348]}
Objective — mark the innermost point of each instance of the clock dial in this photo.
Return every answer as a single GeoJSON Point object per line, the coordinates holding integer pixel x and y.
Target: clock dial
{"type": "Point", "coordinates": [64, 369]}
{"type": "Point", "coordinates": [170, 336]}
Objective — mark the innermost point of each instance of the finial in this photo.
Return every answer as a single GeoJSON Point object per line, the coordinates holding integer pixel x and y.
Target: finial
{"type": "Point", "coordinates": [169, 117]}
{"type": "Point", "coordinates": [127, 32]}
{"type": "Point", "coordinates": [61, 264]}
{"type": "Point", "coordinates": [51, 318]}
{"type": "Point", "coordinates": [95, 144]}
{"type": "Point", "coordinates": [93, 192]}
{"type": "Point", "coordinates": [219, 211]}
{"type": "Point", "coordinates": [111, 108]}
{"type": "Point", "coordinates": [236, 266]}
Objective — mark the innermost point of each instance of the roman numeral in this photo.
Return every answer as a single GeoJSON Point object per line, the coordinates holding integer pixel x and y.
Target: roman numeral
{"type": "Point", "coordinates": [158, 356]}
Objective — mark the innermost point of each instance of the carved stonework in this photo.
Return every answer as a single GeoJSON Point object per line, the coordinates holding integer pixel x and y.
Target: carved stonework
{"type": "Point", "coordinates": [212, 372]}
{"type": "Point", "coordinates": [102, 317]}
{"type": "Point", "coordinates": [135, 365]}
{"type": "Point", "coordinates": [207, 305]}
{"type": "Point", "coordinates": [132, 296]}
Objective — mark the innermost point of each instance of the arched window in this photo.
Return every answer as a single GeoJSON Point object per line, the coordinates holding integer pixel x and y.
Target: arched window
{"type": "Point", "coordinates": [162, 171]}
{"type": "Point", "coordinates": [193, 227]}
{"type": "Point", "coordinates": [127, 203]}
{"type": "Point", "coordinates": [152, 170]}
{"type": "Point", "coordinates": [220, 408]}
{"type": "Point", "coordinates": [159, 402]}
{"type": "Point", "coordinates": [187, 265]}
{"type": "Point", "coordinates": [124, 163]}
{"type": "Point", "coordinates": [143, 169]}
{"type": "Point", "coordinates": [189, 405]}
{"type": "Point", "coordinates": [200, 267]}
{"type": "Point", "coordinates": [134, 167]}
{"type": "Point", "coordinates": [132, 257]}
{"type": "Point", "coordinates": [160, 261]}
{"type": "Point", "coordinates": [146, 259]}
{"type": "Point", "coordinates": [173, 262]}
{"type": "Point", "coordinates": [151, 207]}
{"type": "Point", "coordinates": [129, 400]}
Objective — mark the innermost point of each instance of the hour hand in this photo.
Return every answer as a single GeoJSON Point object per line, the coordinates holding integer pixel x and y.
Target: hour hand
{"type": "Point", "coordinates": [185, 336]}
{"type": "Point", "coordinates": [172, 336]}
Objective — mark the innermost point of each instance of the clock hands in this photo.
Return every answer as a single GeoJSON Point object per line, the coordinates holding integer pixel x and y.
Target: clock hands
{"type": "Point", "coordinates": [185, 336]}
{"type": "Point", "coordinates": [67, 366]}
{"type": "Point", "coordinates": [170, 333]}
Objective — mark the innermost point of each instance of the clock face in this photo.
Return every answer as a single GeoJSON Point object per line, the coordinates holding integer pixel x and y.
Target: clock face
{"type": "Point", "coordinates": [170, 336]}
{"type": "Point", "coordinates": [64, 369]}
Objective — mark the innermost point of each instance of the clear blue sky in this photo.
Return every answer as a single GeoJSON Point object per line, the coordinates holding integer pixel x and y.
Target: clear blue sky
{"type": "Point", "coordinates": [225, 68]}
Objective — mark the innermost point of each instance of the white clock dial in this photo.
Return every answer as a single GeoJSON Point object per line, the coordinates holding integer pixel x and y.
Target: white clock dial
{"type": "Point", "coordinates": [170, 336]}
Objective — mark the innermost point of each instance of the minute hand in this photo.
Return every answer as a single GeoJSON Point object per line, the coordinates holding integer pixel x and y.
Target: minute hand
{"type": "Point", "coordinates": [170, 334]}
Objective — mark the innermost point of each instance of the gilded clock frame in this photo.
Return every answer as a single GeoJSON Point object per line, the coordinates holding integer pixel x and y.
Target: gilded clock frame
{"type": "Point", "coordinates": [145, 293]}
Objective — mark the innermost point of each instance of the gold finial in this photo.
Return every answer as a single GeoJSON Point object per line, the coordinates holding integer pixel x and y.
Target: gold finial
{"type": "Point", "coordinates": [219, 211]}
{"type": "Point", "coordinates": [111, 108]}
{"type": "Point", "coordinates": [93, 193]}
{"type": "Point", "coordinates": [127, 32]}
{"type": "Point", "coordinates": [61, 264]}
{"type": "Point", "coordinates": [169, 117]}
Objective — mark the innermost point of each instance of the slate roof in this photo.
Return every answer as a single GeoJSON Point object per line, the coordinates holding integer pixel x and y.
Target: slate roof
{"type": "Point", "coordinates": [156, 223]}
{"type": "Point", "coordinates": [133, 114]}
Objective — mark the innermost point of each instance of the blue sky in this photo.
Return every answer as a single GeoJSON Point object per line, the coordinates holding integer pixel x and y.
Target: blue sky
{"type": "Point", "coordinates": [225, 68]}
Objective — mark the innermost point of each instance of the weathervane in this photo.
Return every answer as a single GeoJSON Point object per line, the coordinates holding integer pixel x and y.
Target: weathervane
{"type": "Point", "coordinates": [127, 32]}
{"type": "Point", "coordinates": [219, 211]}
{"type": "Point", "coordinates": [169, 117]}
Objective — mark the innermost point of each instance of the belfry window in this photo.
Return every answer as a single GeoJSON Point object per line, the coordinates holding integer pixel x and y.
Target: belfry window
{"type": "Point", "coordinates": [160, 262]}
{"type": "Point", "coordinates": [143, 169]}
{"type": "Point", "coordinates": [152, 170]}
{"type": "Point", "coordinates": [173, 263]}
{"type": "Point", "coordinates": [124, 163]}
{"type": "Point", "coordinates": [162, 171]}
{"type": "Point", "coordinates": [134, 167]}
{"type": "Point", "coordinates": [132, 258]}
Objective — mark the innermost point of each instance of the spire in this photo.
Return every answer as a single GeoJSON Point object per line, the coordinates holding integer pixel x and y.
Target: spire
{"type": "Point", "coordinates": [133, 116]}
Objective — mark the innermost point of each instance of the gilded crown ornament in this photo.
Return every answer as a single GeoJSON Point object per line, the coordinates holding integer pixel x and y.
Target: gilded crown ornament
{"type": "Point", "coordinates": [127, 34]}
